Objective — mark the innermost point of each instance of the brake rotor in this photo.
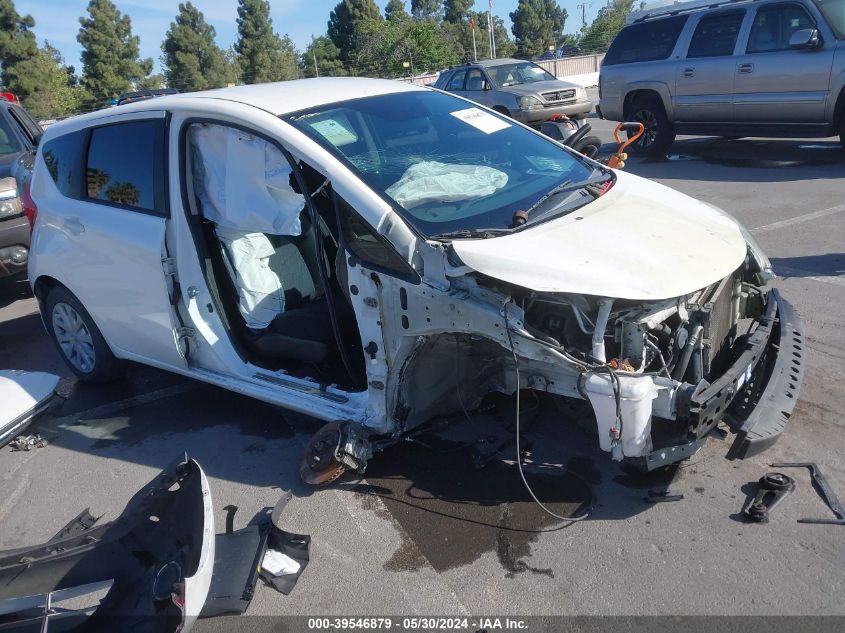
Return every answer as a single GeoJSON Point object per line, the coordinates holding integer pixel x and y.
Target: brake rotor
{"type": "Point", "coordinates": [318, 464]}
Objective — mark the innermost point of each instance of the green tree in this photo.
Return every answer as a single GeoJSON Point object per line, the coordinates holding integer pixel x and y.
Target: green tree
{"type": "Point", "coordinates": [18, 50]}
{"type": "Point", "coordinates": [460, 37]}
{"type": "Point", "coordinates": [344, 20]}
{"type": "Point", "coordinates": [110, 62]}
{"type": "Point", "coordinates": [124, 193]}
{"type": "Point", "coordinates": [263, 56]}
{"type": "Point", "coordinates": [609, 21]}
{"type": "Point", "coordinates": [455, 11]}
{"type": "Point", "coordinates": [326, 55]}
{"type": "Point", "coordinates": [191, 59]}
{"type": "Point", "coordinates": [49, 88]}
{"type": "Point", "coordinates": [537, 25]}
{"type": "Point", "coordinates": [384, 48]}
{"type": "Point", "coordinates": [395, 10]}
{"type": "Point", "coordinates": [426, 9]}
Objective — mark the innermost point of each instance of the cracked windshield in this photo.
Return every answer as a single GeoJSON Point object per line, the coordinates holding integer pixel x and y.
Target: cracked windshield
{"type": "Point", "coordinates": [447, 165]}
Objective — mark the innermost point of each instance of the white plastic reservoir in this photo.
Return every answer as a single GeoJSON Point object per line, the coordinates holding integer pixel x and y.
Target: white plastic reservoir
{"type": "Point", "coordinates": [637, 393]}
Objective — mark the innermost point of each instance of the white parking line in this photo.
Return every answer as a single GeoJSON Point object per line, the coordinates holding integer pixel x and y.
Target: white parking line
{"type": "Point", "coordinates": [799, 219]}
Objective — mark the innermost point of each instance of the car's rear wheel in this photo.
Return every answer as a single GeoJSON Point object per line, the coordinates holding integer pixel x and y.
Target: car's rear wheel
{"type": "Point", "coordinates": [78, 339]}
{"type": "Point", "coordinates": [658, 135]}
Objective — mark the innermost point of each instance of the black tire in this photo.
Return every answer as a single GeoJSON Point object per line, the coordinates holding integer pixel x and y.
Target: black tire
{"type": "Point", "coordinates": [502, 110]}
{"type": "Point", "coordinates": [842, 131]}
{"type": "Point", "coordinates": [589, 146]}
{"type": "Point", "coordinates": [659, 134]}
{"type": "Point", "coordinates": [79, 340]}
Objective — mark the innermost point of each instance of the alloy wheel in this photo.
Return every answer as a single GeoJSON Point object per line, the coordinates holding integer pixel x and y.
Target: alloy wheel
{"type": "Point", "coordinates": [649, 121]}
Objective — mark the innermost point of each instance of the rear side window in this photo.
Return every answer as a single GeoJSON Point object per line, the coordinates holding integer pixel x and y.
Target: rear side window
{"type": "Point", "coordinates": [715, 35]}
{"type": "Point", "coordinates": [122, 165]}
{"type": "Point", "coordinates": [63, 157]}
{"type": "Point", "coordinates": [773, 26]}
{"type": "Point", "coordinates": [457, 81]}
{"type": "Point", "coordinates": [645, 42]}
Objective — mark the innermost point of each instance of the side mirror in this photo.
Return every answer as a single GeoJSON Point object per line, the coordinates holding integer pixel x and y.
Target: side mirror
{"type": "Point", "coordinates": [805, 38]}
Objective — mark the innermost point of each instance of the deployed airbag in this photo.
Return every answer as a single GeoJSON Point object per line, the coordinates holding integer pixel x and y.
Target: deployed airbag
{"type": "Point", "coordinates": [260, 293]}
{"type": "Point", "coordinates": [430, 181]}
{"type": "Point", "coordinates": [243, 182]}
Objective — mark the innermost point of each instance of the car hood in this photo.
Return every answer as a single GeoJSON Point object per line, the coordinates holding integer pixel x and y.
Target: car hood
{"type": "Point", "coordinates": [538, 87]}
{"type": "Point", "coordinates": [639, 241]}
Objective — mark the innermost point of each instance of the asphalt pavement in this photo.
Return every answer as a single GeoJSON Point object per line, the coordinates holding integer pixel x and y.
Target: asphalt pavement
{"type": "Point", "coordinates": [426, 531]}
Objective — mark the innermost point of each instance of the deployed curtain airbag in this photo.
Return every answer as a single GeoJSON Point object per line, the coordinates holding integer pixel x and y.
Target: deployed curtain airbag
{"type": "Point", "coordinates": [245, 182]}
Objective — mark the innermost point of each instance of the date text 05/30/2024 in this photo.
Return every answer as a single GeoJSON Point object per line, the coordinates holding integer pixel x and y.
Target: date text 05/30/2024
{"type": "Point", "coordinates": [477, 624]}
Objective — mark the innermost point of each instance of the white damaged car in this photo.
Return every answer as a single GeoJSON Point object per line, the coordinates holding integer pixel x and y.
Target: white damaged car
{"type": "Point", "coordinates": [375, 254]}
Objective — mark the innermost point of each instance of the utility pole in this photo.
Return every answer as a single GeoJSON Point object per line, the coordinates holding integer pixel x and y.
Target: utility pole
{"type": "Point", "coordinates": [583, 6]}
{"type": "Point", "coordinates": [492, 28]}
{"type": "Point", "coordinates": [472, 28]}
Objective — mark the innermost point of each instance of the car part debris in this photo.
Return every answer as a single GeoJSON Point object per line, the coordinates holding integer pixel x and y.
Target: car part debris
{"type": "Point", "coordinates": [662, 496]}
{"type": "Point", "coordinates": [825, 491]}
{"type": "Point", "coordinates": [149, 570]}
{"type": "Point", "coordinates": [24, 395]}
{"type": "Point", "coordinates": [239, 561]}
{"type": "Point", "coordinates": [28, 442]}
{"type": "Point", "coordinates": [774, 487]}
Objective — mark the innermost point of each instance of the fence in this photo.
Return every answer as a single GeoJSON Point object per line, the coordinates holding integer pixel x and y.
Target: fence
{"type": "Point", "coordinates": [564, 67]}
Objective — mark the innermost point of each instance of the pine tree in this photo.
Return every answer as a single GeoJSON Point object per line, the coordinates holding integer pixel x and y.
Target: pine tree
{"type": "Point", "coordinates": [426, 9]}
{"type": "Point", "coordinates": [110, 62]}
{"type": "Point", "coordinates": [609, 21]}
{"type": "Point", "coordinates": [48, 88]}
{"type": "Point", "coordinates": [191, 59]}
{"type": "Point", "coordinates": [537, 25]}
{"type": "Point", "coordinates": [262, 55]}
{"type": "Point", "coordinates": [343, 21]}
{"type": "Point", "coordinates": [18, 50]}
{"type": "Point", "coordinates": [395, 11]}
{"type": "Point", "coordinates": [455, 11]}
{"type": "Point", "coordinates": [326, 56]}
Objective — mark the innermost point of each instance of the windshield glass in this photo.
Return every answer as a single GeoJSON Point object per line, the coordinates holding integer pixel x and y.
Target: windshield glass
{"type": "Point", "coordinates": [518, 73]}
{"type": "Point", "coordinates": [834, 11]}
{"type": "Point", "coordinates": [445, 164]}
{"type": "Point", "coordinates": [8, 142]}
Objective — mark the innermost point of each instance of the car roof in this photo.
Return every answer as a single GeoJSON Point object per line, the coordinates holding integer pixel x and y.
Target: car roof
{"type": "Point", "coordinates": [277, 98]}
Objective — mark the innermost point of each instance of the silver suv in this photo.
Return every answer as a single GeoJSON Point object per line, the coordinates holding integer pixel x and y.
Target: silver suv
{"type": "Point", "coordinates": [517, 88]}
{"type": "Point", "coordinates": [735, 68]}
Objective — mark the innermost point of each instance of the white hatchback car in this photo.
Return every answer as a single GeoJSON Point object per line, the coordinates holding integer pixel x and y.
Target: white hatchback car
{"type": "Point", "coordinates": [376, 254]}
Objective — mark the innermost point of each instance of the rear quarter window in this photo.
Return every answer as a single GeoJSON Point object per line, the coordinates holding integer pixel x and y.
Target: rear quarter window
{"type": "Point", "coordinates": [646, 42]}
{"type": "Point", "coordinates": [63, 158]}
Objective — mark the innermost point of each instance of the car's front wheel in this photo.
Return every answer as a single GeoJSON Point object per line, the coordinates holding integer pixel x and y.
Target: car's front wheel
{"type": "Point", "coordinates": [78, 339]}
{"type": "Point", "coordinates": [658, 135]}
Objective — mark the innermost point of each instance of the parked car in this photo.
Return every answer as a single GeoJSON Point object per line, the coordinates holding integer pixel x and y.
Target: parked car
{"type": "Point", "coordinates": [19, 136]}
{"type": "Point", "coordinates": [375, 254]}
{"type": "Point", "coordinates": [753, 68]}
{"type": "Point", "coordinates": [517, 88]}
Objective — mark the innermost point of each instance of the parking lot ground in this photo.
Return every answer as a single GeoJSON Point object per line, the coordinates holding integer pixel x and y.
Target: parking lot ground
{"type": "Point", "coordinates": [425, 531]}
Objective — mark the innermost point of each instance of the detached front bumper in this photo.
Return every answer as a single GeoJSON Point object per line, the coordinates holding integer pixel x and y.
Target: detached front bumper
{"type": "Point", "coordinates": [755, 396]}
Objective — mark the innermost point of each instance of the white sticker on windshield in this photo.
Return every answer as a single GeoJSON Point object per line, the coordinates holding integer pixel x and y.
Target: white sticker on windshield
{"type": "Point", "coordinates": [481, 120]}
{"type": "Point", "coordinates": [334, 132]}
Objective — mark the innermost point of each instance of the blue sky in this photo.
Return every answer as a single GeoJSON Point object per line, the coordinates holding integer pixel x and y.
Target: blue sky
{"type": "Point", "coordinates": [58, 20]}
